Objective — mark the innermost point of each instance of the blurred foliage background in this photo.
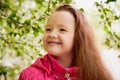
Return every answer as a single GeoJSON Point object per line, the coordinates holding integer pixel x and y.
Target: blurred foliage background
{"type": "Point", "coordinates": [22, 25]}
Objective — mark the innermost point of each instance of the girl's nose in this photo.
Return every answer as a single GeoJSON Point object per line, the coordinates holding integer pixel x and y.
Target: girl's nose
{"type": "Point", "coordinates": [53, 34]}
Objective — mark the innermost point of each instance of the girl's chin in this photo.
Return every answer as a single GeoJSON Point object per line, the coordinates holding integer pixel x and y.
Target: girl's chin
{"type": "Point", "coordinates": [54, 53]}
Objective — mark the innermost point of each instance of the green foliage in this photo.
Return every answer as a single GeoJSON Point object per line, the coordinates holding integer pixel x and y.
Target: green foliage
{"type": "Point", "coordinates": [108, 17]}
{"type": "Point", "coordinates": [108, 1]}
{"type": "Point", "coordinates": [21, 29]}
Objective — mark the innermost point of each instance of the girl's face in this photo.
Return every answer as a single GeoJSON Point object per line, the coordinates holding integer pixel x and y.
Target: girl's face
{"type": "Point", "coordinates": [59, 33]}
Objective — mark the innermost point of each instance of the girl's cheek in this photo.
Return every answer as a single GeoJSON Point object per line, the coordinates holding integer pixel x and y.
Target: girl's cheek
{"type": "Point", "coordinates": [44, 39]}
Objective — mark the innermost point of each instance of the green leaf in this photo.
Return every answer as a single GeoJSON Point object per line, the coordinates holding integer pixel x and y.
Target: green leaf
{"type": "Point", "coordinates": [99, 10]}
{"type": "Point", "coordinates": [106, 28]}
{"type": "Point", "coordinates": [109, 23]}
{"type": "Point", "coordinates": [4, 5]}
{"type": "Point", "coordinates": [116, 17]}
{"type": "Point", "coordinates": [108, 1]}
{"type": "Point", "coordinates": [13, 34]}
{"type": "Point", "coordinates": [36, 31]}
{"type": "Point", "coordinates": [107, 42]}
{"type": "Point", "coordinates": [39, 1]}
{"type": "Point", "coordinates": [104, 11]}
{"type": "Point", "coordinates": [118, 46]}
{"type": "Point", "coordinates": [9, 22]}
{"type": "Point", "coordinates": [13, 14]}
{"type": "Point", "coordinates": [97, 4]}
{"type": "Point", "coordinates": [102, 16]}
{"type": "Point", "coordinates": [81, 9]}
{"type": "Point", "coordinates": [119, 56]}
{"type": "Point", "coordinates": [18, 53]}
{"type": "Point", "coordinates": [21, 1]}
{"type": "Point", "coordinates": [27, 22]}
{"type": "Point", "coordinates": [40, 55]}
{"type": "Point", "coordinates": [118, 37]}
{"type": "Point", "coordinates": [68, 1]}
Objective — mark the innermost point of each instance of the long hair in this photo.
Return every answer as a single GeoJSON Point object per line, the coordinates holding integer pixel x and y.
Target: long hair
{"type": "Point", "coordinates": [86, 55]}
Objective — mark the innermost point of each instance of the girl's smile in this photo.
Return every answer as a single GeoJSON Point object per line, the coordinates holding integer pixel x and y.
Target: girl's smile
{"type": "Point", "coordinates": [53, 43]}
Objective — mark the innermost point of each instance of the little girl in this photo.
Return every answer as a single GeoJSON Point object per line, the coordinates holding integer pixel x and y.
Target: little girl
{"type": "Point", "coordinates": [72, 53]}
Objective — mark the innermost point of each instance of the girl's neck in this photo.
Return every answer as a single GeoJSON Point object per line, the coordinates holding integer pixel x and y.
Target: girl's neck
{"type": "Point", "coordinates": [65, 61]}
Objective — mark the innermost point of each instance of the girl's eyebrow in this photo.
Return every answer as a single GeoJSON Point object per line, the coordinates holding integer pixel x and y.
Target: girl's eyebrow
{"type": "Point", "coordinates": [65, 26]}
{"type": "Point", "coordinates": [48, 25]}
{"type": "Point", "coordinates": [62, 26]}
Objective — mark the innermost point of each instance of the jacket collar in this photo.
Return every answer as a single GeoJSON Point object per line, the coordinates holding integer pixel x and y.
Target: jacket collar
{"type": "Point", "coordinates": [49, 64]}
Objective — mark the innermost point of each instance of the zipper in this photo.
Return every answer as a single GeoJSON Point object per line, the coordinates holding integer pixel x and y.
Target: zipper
{"type": "Point", "coordinates": [67, 75]}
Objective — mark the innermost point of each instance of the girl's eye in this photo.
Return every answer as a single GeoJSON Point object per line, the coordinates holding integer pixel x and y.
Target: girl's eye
{"type": "Point", "coordinates": [48, 29]}
{"type": "Point", "coordinates": [62, 30]}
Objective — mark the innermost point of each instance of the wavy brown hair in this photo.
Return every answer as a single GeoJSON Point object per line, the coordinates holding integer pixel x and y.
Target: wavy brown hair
{"type": "Point", "coordinates": [86, 55]}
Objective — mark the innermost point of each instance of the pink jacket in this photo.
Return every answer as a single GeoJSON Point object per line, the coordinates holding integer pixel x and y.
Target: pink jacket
{"type": "Point", "coordinates": [47, 68]}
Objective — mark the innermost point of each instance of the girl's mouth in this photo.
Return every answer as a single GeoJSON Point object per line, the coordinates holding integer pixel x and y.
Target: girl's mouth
{"type": "Point", "coordinates": [53, 42]}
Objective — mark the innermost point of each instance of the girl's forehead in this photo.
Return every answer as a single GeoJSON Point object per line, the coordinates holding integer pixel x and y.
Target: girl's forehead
{"type": "Point", "coordinates": [61, 17]}
{"type": "Point", "coordinates": [61, 14]}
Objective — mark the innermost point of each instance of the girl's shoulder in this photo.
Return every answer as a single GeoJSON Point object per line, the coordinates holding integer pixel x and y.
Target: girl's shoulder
{"type": "Point", "coordinates": [34, 72]}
